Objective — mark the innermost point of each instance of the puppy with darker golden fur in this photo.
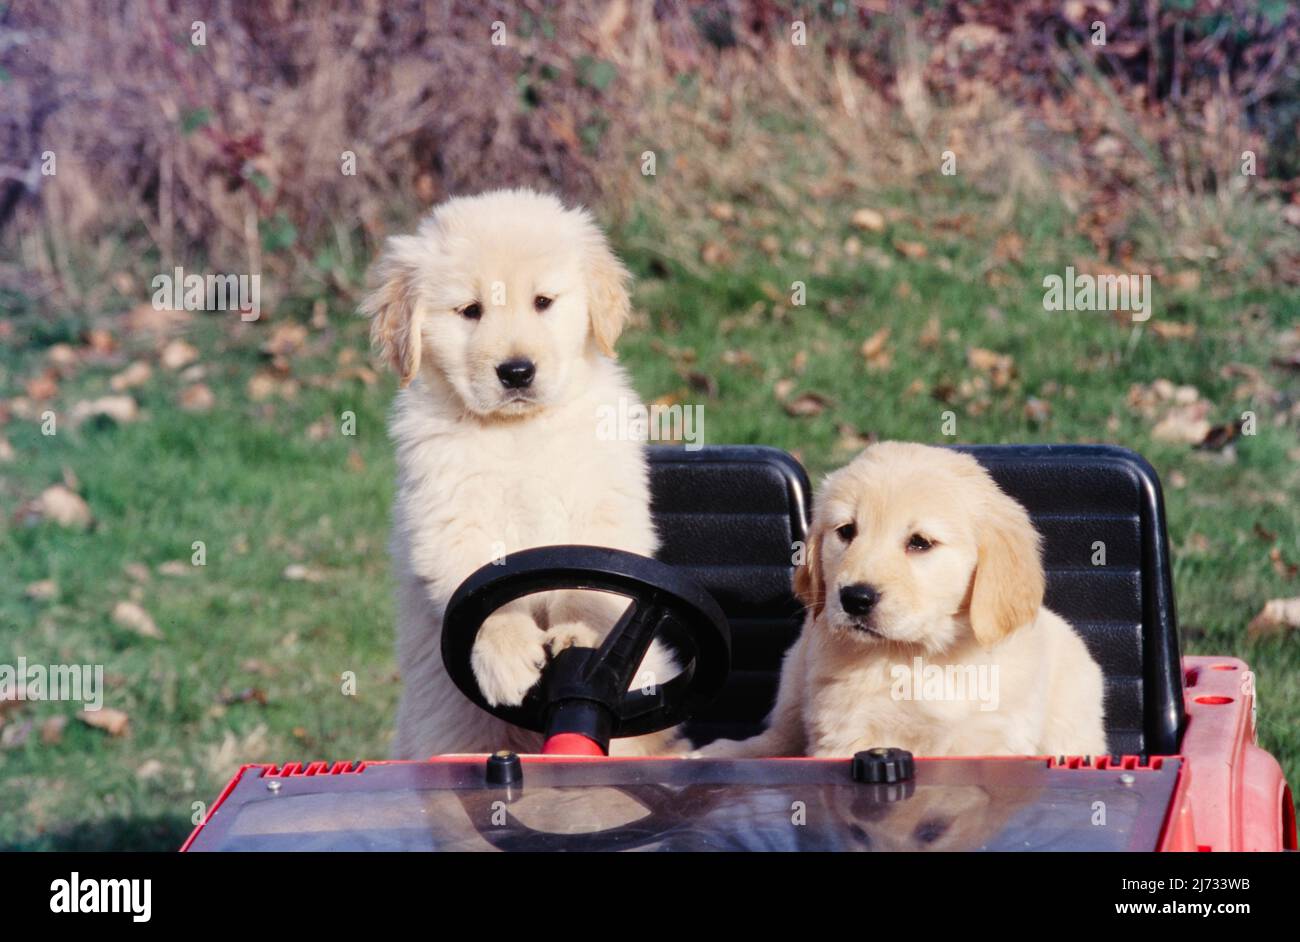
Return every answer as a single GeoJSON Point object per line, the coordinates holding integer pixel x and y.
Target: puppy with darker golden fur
{"type": "Point", "coordinates": [926, 628]}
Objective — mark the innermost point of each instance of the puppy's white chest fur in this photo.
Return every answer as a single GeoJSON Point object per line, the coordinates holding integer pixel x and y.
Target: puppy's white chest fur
{"type": "Point", "coordinates": [479, 490]}
{"type": "Point", "coordinates": [1034, 693]}
{"type": "Point", "coordinates": [963, 700]}
{"type": "Point", "coordinates": [470, 492]}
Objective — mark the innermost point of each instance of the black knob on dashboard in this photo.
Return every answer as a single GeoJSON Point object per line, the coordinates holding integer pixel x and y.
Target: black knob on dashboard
{"type": "Point", "coordinates": [504, 768]}
{"type": "Point", "coordinates": [883, 766]}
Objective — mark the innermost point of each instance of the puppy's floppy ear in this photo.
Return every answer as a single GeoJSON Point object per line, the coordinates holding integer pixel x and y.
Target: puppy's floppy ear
{"type": "Point", "coordinates": [393, 307]}
{"type": "Point", "coordinates": [809, 586]}
{"type": "Point", "coordinates": [608, 303]}
{"type": "Point", "coordinates": [1009, 580]}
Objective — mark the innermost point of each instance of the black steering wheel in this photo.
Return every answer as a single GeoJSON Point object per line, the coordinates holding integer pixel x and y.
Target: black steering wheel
{"type": "Point", "coordinates": [586, 691]}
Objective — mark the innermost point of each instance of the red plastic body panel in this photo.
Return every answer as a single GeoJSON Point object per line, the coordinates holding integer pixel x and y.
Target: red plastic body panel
{"type": "Point", "coordinates": [1231, 794]}
{"type": "Point", "coordinates": [289, 768]}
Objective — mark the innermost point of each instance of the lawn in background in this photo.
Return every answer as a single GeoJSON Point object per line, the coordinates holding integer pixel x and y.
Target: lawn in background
{"type": "Point", "coordinates": [256, 644]}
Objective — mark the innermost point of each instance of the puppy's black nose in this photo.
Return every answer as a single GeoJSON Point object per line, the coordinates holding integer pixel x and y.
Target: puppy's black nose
{"type": "Point", "coordinates": [859, 598]}
{"type": "Point", "coordinates": [516, 374]}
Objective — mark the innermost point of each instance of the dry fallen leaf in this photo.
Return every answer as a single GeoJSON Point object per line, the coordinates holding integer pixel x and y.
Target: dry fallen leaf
{"type": "Point", "coordinates": [702, 383]}
{"type": "Point", "coordinates": [178, 354]}
{"type": "Point", "coordinates": [137, 374]}
{"type": "Point", "coordinates": [868, 219]}
{"type": "Point", "coordinates": [851, 439]}
{"type": "Point", "coordinates": [1037, 410]}
{"type": "Point", "coordinates": [321, 429]}
{"type": "Point", "coordinates": [265, 384]}
{"type": "Point", "coordinates": [1000, 367]}
{"type": "Point", "coordinates": [1276, 615]}
{"type": "Point", "coordinates": [1173, 330]}
{"type": "Point", "coordinates": [44, 386]}
{"type": "Point", "coordinates": [285, 340]}
{"type": "Point", "coordinates": [1185, 424]}
{"type": "Point", "coordinates": [52, 730]}
{"type": "Point", "coordinates": [13, 699]}
{"type": "Point", "coordinates": [132, 617]}
{"type": "Point", "coordinates": [873, 349]}
{"type": "Point", "coordinates": [16, 735]}
{"type": "Point", "coordinates": [714, 253]}
{"type": "Point", "coordinates": [7, 453]}
{"type": "Point", "coordinates": [114, 722]}
{"type": "Point", "coordinates": [365, 374]}
{"type": "Point", "coordinates": [1009, 248]}
{"type": "Point", "coordinates": [60, 505]}
{"type": "Point", "coordinates": [120, 409]}
{"type": "Point", "coordinates": [174, 567]}
{"type": "Point", "coordinates": [722, 212]}
{"type": "Point", "coordinates": [63, 356]}
{"type": "Point", "coordinates": [44, 590]}
{"type": "Point", "coordinates": [807, 404]}
{"type": "Point", "coordinates": [1187, 280]}
{"type": "Point", "coordinates": [297, 572]}
{"type": "Point", "coordinates": [1220, 436]}
{"type": "Point", "coordinates": [1287, 361]}
{"type": "Point", "coordinates": [262, 385]}
{"type": "Point", "coordinates": [145, 318]}
{"type": "Point", "coordinates": [1152, 401]}
{"type": "Point", "coordinates": [987, 360]}
{"type": "Point", "coordinates": [246, 695]}
{"type": "Point", "coordinates": [197, 398]}
{"type": "Point", "coordinates": [1287, 570]}
{"type": "Point", "coordinates": [931, 333]}
{"type": "Point", "coordinates": [911, 249]}
{"type": "Point", "coordinates": [100, 341]}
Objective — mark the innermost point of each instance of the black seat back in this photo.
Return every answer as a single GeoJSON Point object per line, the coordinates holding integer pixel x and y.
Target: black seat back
{"type": "Point", "coordinates": [732, 514]}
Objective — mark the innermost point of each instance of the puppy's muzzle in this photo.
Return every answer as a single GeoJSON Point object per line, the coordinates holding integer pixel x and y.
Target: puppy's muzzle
{"type": "Point", "coordinates": [517, 373]}
{"type": "Point", "coordinates": [858, 599]}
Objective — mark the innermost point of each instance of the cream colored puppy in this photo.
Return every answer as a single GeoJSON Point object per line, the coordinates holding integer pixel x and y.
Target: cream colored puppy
{"type": "Point", "coordinates": [926, 628]}
{"type": "Point", "coordinates": [500, 316]}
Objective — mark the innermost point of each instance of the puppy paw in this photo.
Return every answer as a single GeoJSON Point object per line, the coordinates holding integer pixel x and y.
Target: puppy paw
{"type": "Point", "coordinates": [572, 635]}
{"type": "Point", "coordinates": [507, 659]}
{"type": "Point", "coordinates": [727, 749]}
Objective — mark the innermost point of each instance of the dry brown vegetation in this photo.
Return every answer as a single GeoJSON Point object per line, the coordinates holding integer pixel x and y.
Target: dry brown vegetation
{"type": "Point", "coordinates": [229, 154]}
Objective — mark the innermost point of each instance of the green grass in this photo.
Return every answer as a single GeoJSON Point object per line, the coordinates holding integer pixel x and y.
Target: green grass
{"type": "Point", "coordinates": [247, 480]}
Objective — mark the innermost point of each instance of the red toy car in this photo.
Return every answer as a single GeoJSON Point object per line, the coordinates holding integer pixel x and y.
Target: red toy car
{"type": "Point", "coordinates": [1184, 774]}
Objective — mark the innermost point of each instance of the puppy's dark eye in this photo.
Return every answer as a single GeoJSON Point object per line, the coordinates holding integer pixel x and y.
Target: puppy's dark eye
{"type": "Point", "coordinates": [542, 302]}
{"type": "Point", "coordinates": [918, 544]}
{"type": "Point", "coordinates": [472, 311]}
{"type": "Point", "coordinates": [847, 532]}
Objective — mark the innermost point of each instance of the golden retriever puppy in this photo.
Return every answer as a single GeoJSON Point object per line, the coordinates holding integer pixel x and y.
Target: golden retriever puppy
{"type": "Point", "coordinates": [500, 316]}
{"type": "Point", "coordinates": [926, 628]}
